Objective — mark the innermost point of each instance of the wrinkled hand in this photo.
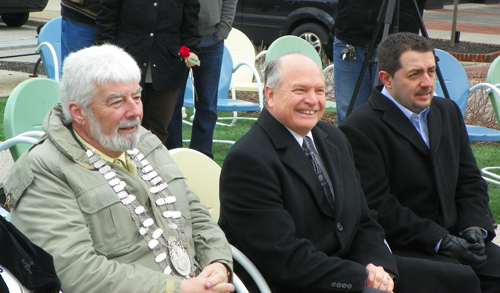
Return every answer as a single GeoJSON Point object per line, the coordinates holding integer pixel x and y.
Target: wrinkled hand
{"type": "Point", "coordinates": [475, 235]}
{"type": "Point", "coordinates": [462, 250]}
{"type": "Point", "coordinates": [378, 278]}
{"type": "Point", "coordinates": [213, 278]}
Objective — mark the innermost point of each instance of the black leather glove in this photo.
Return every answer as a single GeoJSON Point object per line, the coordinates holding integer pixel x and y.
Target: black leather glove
{"type": "Point", "coordinates": [461, 250]}
{"type": "Point", "coordinates": [474, 235]}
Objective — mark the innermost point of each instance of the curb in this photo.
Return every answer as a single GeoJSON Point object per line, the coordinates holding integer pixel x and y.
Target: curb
{"type": "Point", "coordinates": [470, 57]}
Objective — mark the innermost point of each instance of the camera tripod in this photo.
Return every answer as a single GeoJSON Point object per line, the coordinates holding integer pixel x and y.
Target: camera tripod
{"type": "Point", "coordinates": [389, 11]}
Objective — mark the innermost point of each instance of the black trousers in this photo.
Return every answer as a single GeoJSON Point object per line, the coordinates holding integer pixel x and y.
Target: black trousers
{"type": "Point", "coordinates": [421, 275]}
{"type": "Point", "coordinates": [158, 107]}
{"type": "Point", "coordinates": [489, 274]}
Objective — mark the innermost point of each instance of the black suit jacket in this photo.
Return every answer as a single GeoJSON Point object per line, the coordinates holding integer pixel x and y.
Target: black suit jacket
{"type": "Point", "coordinates": [274, 210]}
{"type": "Point", "coordinates": [420, 193]}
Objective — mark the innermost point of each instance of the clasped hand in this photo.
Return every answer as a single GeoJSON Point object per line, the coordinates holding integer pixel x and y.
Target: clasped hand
{"type": "Point", "coordinates": [213, 278]}
{"type": "Point", "coordinates": [469, 250]}
{"type": "Point", "coordinates": [378, 278]}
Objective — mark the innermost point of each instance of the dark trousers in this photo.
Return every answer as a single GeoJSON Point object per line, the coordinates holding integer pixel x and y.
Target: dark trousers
{"type": "Point", "coordinates": [489, 274]}
{"type": "Point", "coordinates": [158, 106]}
{"type": "Point", "coordinates": [206, 84]}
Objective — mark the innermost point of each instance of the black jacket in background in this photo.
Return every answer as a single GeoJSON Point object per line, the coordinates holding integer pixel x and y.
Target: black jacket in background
{"type": "Point", "coordinates": [356, 20]}
{"type": "Point", "coordinates": [152, 32]}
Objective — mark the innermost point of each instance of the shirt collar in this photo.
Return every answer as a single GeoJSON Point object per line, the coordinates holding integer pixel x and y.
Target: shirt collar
{"type": "Point", "coordinates": [300, 139]}
{"type": "Point", "coordinates": [403, 109]}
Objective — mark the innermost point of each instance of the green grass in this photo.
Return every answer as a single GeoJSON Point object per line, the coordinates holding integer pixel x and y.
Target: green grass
{"type": "Point", "coordinates": [489, 155]}
{"type": "Point", "coordinates": [219, 150]}
{"type": "Point", "coordinates": [3, 101]}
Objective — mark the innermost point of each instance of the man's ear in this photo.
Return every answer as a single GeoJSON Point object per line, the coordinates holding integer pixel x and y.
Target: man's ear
{"type": "Point", "coordinates": [386, 79]}
{"type": "Point", "coordinates": [269, 97]}
{"type": "Point", "coordinates": [77, 113]}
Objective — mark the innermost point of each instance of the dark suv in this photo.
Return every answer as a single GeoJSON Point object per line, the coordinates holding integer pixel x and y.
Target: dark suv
{"type": "Point", "coordinates": [17, 12]}
{"type": "Point", "coordinates": [263, 21]}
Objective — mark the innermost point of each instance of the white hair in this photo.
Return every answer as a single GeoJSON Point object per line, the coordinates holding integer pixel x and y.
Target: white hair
{"type": "Point", "coordinates": [94, 66]}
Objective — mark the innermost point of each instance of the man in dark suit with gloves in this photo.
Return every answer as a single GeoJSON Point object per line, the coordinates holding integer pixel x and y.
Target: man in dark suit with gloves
{"type": "Point", "coordinates": [416, 167]}
{"type": "Point", "coordinates": [292, 202]}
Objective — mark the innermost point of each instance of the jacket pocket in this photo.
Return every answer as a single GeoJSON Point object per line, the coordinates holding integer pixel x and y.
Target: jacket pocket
{"type": "Point", "coordinates": [108, 220]}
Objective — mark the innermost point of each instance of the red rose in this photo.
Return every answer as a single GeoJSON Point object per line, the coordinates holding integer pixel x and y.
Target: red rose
{"type": "Point", "coordinates": [184, 51]}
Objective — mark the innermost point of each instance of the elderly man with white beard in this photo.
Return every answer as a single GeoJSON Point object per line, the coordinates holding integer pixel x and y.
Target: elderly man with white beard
{"type": "Point", "coordinates": [103, 196]}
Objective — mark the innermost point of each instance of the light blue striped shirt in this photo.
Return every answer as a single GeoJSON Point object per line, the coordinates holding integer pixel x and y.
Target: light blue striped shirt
{"type": "Point", "coordinates": [418, 120]}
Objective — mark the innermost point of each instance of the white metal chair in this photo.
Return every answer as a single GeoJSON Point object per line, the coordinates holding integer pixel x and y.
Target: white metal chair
{"type": "Point", "coordinates": [202, 176]}
{"type": "Point", "coordinates": [243, 52]}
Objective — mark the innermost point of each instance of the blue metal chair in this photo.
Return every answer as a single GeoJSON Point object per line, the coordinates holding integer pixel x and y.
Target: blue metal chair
{"type": "Point", "coordinates": [223, 103]}
{"type": "Point", "coordinates": [457, 84]}
{"type": "Point", "coordinates": [49, 47]}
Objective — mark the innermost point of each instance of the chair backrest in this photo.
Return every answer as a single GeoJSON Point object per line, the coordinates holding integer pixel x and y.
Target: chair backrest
{"type": "Point", "coordinates": [242, 50]}
{"type": "Point", "coordinates": [226, 74]}
{"type": "Point", "coordinates": [51, 33]}
{"type": "Point", "coordinates": [287, 44]}
{"type": "Point", "coordinates": [202, 175]}
{"type": "Point", "coordinates": [455, 79]}
{"type": "Point", "coordinates": [26, 108]}
{"type": "Point", "coordinates": [493, 77]}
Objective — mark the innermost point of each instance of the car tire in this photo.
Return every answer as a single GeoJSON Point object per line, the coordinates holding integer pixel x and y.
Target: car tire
{"type": "Point", "coordinates": [15, 19]}
{"type": "Point", "coordinates": [316, 34]}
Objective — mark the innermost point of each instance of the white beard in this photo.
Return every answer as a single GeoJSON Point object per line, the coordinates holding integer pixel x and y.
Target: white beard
{"type": "Point", "coordinates": [115, 142]}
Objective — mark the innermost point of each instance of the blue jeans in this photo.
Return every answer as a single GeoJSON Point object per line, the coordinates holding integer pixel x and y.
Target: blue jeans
{"type": "Point", "coordinates": [345, 77]}
{"type": "Point", "coordinates": [206, 84]}
{"type": "Point", "coordinates": [75, 36]}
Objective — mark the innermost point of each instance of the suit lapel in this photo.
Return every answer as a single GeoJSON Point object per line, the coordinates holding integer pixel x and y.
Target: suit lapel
{"type": "Point", "coordinates": [434, 123]}
{"type": "Point", "coordinates": [294, 158]}
{"type": "Point", "coordinates": [396, 120]}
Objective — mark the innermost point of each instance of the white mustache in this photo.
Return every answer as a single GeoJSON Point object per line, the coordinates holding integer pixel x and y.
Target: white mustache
{"type": "Point", "coordinates": [128, 123]}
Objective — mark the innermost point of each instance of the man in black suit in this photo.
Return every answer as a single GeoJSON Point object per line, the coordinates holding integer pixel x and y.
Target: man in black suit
{"type": "Point", "coordinates": [416, 167]}
{"type": "Point", "coordinates": [307, 232]}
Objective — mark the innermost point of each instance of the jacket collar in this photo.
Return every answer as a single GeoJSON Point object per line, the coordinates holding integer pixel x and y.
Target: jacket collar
{"type": "Point", "coordinates": [60, 135]}
{"type": "Point", "coordinates": [396, 120]}
{"type": "Point", "coordinates": [293, 157]}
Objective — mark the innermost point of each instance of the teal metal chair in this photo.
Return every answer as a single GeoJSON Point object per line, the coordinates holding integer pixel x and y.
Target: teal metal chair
{"type": "Point", "coordinates": [25, 110]}
{"type": "Point", "coordinates": [223, 103]}
{"type": "Point", "coordinates": [493, 77]}
{"type": "Point", "coordinates": [457, 84]}
{"type": "Point", "coordinates": [287, 44]}
{"type": "Point", "coordinates": [49, 47]}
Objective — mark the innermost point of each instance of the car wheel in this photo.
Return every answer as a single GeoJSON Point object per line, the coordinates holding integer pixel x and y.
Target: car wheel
{"type": "Point", "coordinates": [315, 34]}
{"type": "Point", "coordinates": [15, 19]}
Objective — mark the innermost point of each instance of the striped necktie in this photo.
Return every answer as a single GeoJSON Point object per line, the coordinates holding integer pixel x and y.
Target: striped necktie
{"type": "Point", "coordinates": [312, 155]}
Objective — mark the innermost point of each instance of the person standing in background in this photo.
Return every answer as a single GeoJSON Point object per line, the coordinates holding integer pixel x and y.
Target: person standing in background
{"type": "Point", "coordinates": [355, 24]}
{"type": "Point", "coordinates": [215, 20]}
{"type": "Point", "coordinates": [153, 33]}
{"type": "Point", "coordinates": [78, 28]}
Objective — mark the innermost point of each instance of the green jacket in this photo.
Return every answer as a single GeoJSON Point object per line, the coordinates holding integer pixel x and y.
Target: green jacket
{"type": "Point", "coordinates": [66, 207]}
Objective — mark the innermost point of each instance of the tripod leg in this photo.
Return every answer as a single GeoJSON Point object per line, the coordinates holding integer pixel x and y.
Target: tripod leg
{"type": "Point", "coordinates": [386, 8]}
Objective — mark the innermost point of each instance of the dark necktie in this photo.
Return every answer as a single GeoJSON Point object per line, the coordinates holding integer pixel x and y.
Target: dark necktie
{"type": "Point", "coordinates": [311, 154]}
